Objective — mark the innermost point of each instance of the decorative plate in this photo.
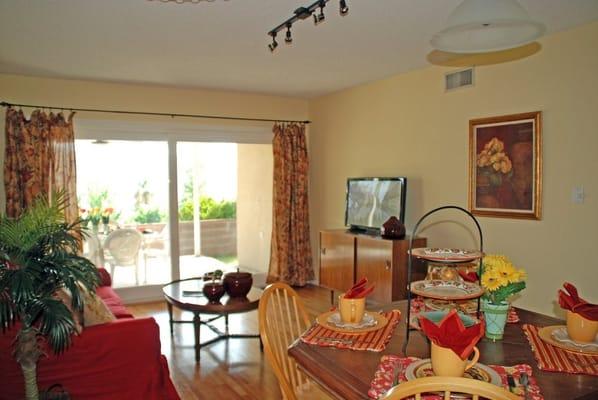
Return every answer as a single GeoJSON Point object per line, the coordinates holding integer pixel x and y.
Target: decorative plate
{"type": "Point", "coordinates": [466, 307]}
{"type": "Point", "coordinates": [557, 336]}
{"type": "Point", "coordinates": [380, 322]}
{"type": "Point", "coordinates": [480, 372]}
{"type": "Point", "coordinates": [437, 316]}
{"type": "Point", "coordinates": [446, 255]}
{"type": "Point", "coordinates": [446, 290]}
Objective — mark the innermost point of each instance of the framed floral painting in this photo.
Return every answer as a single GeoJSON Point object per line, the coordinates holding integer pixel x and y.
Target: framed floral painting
{"type": "Point", "coordinates": [505, 166]}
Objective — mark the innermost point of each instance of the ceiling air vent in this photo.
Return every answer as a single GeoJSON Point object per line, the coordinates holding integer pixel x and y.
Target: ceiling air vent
{"type": "Point", "coordinates": [458, 79]}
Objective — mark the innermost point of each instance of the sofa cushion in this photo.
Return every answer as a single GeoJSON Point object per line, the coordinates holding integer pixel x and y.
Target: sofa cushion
{"type": "Point", "coordinates": [105, 278]}
{"type": "Point", "coordinates": [113, 301]}
{"type": "Point", "coordinates": [95, 311]}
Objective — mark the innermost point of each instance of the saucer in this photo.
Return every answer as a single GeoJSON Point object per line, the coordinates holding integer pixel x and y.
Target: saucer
{"type": "Point", "coordinates": [367, 320]}
{"type": "Point", "coordinates": [557, 336]}
{"type": "Point", "coordinates": [380, 322]}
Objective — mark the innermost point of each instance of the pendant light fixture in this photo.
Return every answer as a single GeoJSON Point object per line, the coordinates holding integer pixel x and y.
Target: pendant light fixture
{"type": "Point", "coordinates": [481, 26]}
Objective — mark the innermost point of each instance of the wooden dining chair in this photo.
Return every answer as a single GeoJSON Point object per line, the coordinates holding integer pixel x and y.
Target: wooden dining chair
{"type": "Point", "coordinates": [447, 386]}
{"type": "Point", "coordinates": [282, 319]}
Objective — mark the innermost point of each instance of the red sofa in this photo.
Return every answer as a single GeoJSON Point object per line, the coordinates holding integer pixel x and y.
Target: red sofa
{"type": "Point", "coordinates": [116, 360]}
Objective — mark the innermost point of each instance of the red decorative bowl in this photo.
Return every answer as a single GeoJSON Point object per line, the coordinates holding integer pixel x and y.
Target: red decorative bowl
{"type": "Point", "coordinates": [238, 284]}
{"type": "Point", "coordinates": [213, 291]}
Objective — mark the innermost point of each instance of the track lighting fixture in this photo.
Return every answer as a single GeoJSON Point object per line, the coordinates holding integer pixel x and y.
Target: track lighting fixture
{"type": "Point", "coordinates": [274, 43]}
{"type": "Point", "coordinates": [344, 10]}
{"type": "Point", "coordinates": [303, 13]}
{"type": "Point", "coordinates": [320, 17]}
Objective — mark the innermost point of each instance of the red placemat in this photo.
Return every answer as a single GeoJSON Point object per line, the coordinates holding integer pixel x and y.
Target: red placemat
{"type": "Point", "coordinates": [554, 359]}
{"type": "Point", "coordinates": [372, 341]}
{"type": "Point", "coordinates": [419, 305]}
{"type": "Point", "coordinates": [384, 378]}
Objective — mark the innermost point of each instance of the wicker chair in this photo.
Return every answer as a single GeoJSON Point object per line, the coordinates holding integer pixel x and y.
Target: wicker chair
{"type": "Point", "coordinates": [123, 247]}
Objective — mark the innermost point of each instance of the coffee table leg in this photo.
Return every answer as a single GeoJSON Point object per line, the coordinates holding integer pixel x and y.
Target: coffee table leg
{"type": "Point", "coordinates": [196, 328]}
{"type": "Point", "coordinates": [226, 324]}
{"type": "Point", "coordinates": [170, 318]}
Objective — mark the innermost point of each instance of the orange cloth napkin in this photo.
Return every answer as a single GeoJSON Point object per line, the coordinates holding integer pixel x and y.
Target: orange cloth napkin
{"type": "Point", "coordinates": [576, 304]}
{"type": "Point", "coordinates": [359, 290]}
{"type": "Point", "coordinates": [451, 333]}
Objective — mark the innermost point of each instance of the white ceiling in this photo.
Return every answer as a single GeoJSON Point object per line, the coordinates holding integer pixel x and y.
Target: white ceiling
{"type": "Point", "coordinates": [223, 44]}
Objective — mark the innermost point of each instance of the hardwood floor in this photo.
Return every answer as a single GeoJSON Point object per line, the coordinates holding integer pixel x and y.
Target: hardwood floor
{"type": "Point", "coordinates": [229, 369]}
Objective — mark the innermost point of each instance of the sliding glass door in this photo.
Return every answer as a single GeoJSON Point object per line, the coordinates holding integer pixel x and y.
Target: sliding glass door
{"type": "Point", "coordinates": [222, 214]}
{"type": "Point", "coordinates": [122, 187]}
{"type": "Point", "coordinates": [224, 200]}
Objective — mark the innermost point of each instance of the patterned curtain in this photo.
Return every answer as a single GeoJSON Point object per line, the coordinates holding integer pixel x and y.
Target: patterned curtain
{"type": "Point", "coordinates": [39, 160]}
{"type": "Point", "coordinates": [290, 254]}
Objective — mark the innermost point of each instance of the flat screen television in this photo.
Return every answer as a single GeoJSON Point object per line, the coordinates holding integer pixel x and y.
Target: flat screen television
{"type": "Point", "coordinates": [371, 201]}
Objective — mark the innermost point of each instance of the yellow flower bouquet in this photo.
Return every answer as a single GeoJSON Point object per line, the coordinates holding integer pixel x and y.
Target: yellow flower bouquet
{"type": "Point", "coordinates": [501, 279]}
{"type": "Point", "coordinates": [493, 163]}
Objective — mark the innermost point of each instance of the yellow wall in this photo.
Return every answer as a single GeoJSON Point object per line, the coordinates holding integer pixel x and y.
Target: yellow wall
{"type": "Point", "coordinates": [87, 94]}
{"type": "Point", "coordinates": [407, 125]}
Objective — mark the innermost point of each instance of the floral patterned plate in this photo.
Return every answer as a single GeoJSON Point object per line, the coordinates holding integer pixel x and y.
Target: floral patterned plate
{"type": "Point", "coordinates": [446, 290]}
{"type": "Point", "coordinates": [481, 372]}
{"type": "Point", "coordinates": [446, 255]}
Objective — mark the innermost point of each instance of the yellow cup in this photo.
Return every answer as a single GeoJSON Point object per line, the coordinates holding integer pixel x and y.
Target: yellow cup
{"type": "Point", "coordinates": [446, 363]}
{"type": "Point", "coordinates": [581, 329]}
{"type": "Point", "coordinates": [351, 310]}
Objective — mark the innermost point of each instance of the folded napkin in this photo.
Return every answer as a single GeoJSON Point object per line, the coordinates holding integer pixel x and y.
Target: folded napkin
{"type": "Point", "coordinates": [359, 290]}
{"type": "Point", "coordinates": [451, 333]}
{"type": "Point", "coordinates": [469, 276]}
{"type": "Point", "coordinates": [576, 304]}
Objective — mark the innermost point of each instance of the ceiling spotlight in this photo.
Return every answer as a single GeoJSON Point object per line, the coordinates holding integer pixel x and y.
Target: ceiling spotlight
{"type": "Point", "coordinates": [288, 38]}
{"type": "Point", "coordinates": [344, 10]}
{"type": "Point", "coordinates": [320, 17]}
{"type": "Point", "coordinates": [274, 43]}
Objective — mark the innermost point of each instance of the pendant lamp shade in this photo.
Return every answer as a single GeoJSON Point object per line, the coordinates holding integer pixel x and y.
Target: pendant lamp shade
{"type": "Point", "coordinates": [479, 26]}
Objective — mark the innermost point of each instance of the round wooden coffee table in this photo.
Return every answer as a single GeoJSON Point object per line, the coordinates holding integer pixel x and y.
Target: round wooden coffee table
{"type": "Point", "coordinates": [187, 295]}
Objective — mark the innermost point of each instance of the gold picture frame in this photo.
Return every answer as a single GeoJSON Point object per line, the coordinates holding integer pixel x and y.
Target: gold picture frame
{"type": "Point", "coordinates": [505, 166]}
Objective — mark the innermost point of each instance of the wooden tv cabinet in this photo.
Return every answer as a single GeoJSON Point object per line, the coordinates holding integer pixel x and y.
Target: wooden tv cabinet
{"type": "Point", "coordinates": [347, 256]}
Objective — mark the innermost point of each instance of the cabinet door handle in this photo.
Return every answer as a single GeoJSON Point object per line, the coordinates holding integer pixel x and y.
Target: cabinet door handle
{"type": "Point", "coordinates": [388, 264]}
{"type": "Point", "coordinates": [323, 250]}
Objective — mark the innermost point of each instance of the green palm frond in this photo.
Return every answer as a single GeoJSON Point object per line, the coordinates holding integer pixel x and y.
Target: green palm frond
{"type": "Point", "coordinates": [55, 322]}
{"type": "Point", "coordinates": [38, 257]}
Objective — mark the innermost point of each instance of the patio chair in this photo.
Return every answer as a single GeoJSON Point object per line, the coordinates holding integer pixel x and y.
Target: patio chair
{"type": "Point", "coordinates": [282, 319]}
{"type": "Point", "coordinates": [154, 247]}
{"type": "Point", "coordinates": [123, 247]}
{"type": "Point", "coordinates": [93, 250]}
{"type": "Point", "coordinates": [445, 386]}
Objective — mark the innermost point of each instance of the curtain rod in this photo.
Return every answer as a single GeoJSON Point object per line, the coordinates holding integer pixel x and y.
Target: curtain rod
{"type": "Point", "coordinates": [161, 114]}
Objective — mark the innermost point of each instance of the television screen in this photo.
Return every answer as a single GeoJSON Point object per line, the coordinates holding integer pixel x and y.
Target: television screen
{"type": "Point", "coordinates": [371, 201]}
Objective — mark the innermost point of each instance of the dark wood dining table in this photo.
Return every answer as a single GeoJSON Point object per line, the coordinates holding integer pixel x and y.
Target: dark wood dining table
{"type": "Point", "coordinates": [346, 374]}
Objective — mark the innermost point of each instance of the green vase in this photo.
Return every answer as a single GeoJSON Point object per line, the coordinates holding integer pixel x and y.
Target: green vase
{"type": "Point", "coordinates": [495, 316]}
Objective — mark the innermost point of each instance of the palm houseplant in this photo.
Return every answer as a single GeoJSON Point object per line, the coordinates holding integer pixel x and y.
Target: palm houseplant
{"type": "Point", "coordinates": [38, 258]}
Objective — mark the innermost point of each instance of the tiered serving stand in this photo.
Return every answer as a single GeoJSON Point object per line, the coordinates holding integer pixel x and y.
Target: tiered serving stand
{"type": "Point", "coordinates": [445, 261]}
